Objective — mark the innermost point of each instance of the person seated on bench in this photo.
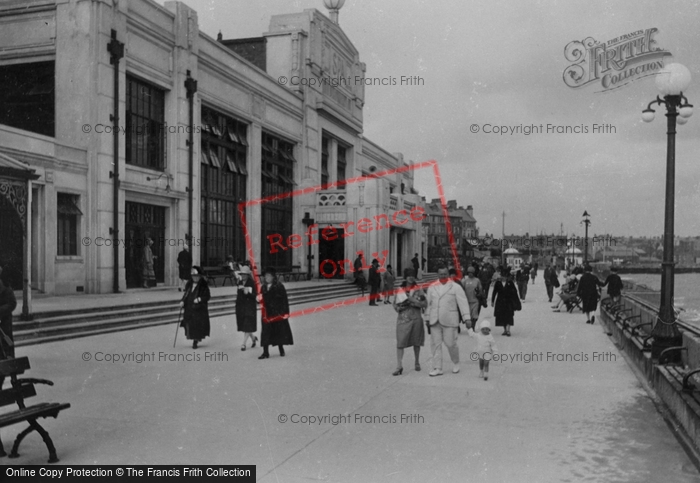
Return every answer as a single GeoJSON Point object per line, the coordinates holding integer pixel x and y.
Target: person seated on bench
{"type": "Point", "coordinates": [231, 269]}
{"type": "Point", "coordinates": [567, 292]}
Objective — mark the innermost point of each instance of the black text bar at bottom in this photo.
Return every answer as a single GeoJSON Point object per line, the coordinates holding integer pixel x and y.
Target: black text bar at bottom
{"type": "Point", "coordinates": [135, 473]}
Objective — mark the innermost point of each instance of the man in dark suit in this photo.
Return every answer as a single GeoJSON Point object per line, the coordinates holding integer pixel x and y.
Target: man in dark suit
{"type": "Point", "coordinates": [357, 270]}
{"type": "Point", "coordinates": [184, 267]}
{"type": "Point", "coordinates": [416, 263]}
{"type": "Point", "coordinates": [375, 281]}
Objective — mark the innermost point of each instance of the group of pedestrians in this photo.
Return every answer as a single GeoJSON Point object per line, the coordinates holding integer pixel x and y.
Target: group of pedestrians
{"type": "Point", "coordinates": [276, 330]}
{"type": "Point", "coordinates": [585, 288]}
{"type": "Point", "coordinates": [447, 303]}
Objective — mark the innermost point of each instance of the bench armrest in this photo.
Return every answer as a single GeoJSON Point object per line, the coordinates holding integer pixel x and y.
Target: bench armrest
{"type": "Point", "coordinates": [32, 380]}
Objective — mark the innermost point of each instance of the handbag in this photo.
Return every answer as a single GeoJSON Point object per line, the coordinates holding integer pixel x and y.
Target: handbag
{"type": "Point", "coordinates": [516, 304]}
{"type": "Point", "coordinates": [555, 282]}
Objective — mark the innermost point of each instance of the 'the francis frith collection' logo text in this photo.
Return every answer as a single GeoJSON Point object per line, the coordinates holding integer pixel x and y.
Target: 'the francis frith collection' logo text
{"type": "Point", "coordinates": [614, 63]}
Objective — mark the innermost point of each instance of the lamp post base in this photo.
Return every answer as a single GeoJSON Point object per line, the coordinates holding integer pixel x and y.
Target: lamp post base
{"type": "Point", "coordinates": [658, 344]}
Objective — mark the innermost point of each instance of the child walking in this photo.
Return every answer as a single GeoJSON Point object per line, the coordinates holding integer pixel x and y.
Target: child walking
{"type": "Point", "coordinates": [485, 346]}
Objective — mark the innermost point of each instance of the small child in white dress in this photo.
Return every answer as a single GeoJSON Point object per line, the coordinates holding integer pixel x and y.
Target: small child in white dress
{"type": "Point", "coordinates": [485, 346]}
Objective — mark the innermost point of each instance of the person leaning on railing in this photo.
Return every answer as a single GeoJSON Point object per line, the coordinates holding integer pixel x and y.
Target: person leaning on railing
{"type": "Point", "coordinates": [614, 283]}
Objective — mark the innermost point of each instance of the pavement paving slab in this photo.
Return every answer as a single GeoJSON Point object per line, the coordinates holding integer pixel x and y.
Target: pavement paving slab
{"type": "Point", "coordinates": [537, 418]}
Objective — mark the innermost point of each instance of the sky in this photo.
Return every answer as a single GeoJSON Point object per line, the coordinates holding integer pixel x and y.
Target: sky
{"type": "Point", "coordinates": [501, 63]}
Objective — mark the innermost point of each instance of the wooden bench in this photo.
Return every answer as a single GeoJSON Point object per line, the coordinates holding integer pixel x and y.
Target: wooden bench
{"type": "Point", "coordinates": [214, 273]}
{"type": "Point", "coordinates": [20, 390]}
{"type": "Point", "coordinates": [295, 274]}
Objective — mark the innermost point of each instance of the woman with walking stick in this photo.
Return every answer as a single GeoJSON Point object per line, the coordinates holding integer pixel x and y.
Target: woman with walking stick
{"type": "Point", "coordinates": [195, 304]}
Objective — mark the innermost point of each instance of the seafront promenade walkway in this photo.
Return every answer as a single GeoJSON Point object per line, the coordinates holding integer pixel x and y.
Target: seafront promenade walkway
{"type": "Point", "coordinates": [548, 420]}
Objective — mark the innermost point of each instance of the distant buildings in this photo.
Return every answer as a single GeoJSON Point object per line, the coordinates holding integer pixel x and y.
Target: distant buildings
{"type": "Point", "coordinates": [464, 231]}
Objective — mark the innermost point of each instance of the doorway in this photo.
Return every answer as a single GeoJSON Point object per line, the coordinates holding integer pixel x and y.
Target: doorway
{"type": "Point", "coordinates": [11, 237]}
{"type": "Point", "coordinates": [142, 222]}
{"type": "Point", "coordinates": [331, 250]}
{"type": "Point", "coordinates": [399, 255]}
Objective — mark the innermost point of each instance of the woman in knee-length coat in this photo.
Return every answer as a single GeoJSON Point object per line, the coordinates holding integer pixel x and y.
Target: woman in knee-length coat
{"type": "Point", "coordinates": [195, 302]}
{"type": "Point", "coordinates": [505, 301]}
{"type": "Point", "coordinates": [275, 321]}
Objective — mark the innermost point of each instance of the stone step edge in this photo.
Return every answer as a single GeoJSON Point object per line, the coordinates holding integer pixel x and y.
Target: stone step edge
{"type": "Point", "coordinates": [67, 312]}
{"type": "Point", "coordinates": [32, 325]}
{"type": "Point", "coordinates": [34, 336]}
{"type": "Point", "coordinates": [150, 307]}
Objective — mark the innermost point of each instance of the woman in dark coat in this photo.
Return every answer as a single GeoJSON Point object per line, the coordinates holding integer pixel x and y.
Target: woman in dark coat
{"type": "Point", "coordinates": [196, 307]}
{"type": "Point", "coordinates": [247, 306]}
{"type": "Point", "coordinates": [275, 322]}
{"type": "Point", "coordinates": [588, 293]}
{"type": "Point", "coordinates": [505, 301]}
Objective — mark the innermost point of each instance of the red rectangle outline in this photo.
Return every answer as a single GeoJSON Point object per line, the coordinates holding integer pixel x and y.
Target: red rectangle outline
{"type": "Point", "coordinates": [249, 244]}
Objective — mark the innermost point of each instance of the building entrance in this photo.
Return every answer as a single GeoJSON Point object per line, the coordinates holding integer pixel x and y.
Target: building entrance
{"type": "Point", "coordinates": [143, 222]}
{"type": "Point", "coordinates": [331, 250]}
{"type": "Point", "coordinates": [11, 256]}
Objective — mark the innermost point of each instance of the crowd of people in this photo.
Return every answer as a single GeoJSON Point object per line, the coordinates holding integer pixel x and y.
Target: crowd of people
{"type": "Point", "coordinates": [451, 301]}
{"type": "Point", "coordinates": [438, 309]}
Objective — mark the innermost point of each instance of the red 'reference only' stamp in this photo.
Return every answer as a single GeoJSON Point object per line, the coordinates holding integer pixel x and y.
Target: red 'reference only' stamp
{"type": "Point", "coordinates": [372, 221]}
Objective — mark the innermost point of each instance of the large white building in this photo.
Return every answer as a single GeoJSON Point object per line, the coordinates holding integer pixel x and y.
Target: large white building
{"type": "Point", "coordinates": [203, 125]}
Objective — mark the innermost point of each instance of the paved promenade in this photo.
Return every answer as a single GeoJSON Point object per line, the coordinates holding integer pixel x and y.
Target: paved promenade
{"type": "Point", "coordinates": [541, 421]}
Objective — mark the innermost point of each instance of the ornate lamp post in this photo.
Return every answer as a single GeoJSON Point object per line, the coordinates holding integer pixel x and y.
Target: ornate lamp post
{"type": "Point", "coordinates": [586, 222]}
{"type": "Point", "coordinates": [334, 7]}
{"type": "Point", "coordinates": [671, 81]}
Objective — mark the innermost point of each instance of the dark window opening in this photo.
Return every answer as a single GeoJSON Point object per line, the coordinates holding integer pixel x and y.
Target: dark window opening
{"type": "Point", "coordinates": [342, 165]}
{"type": "Point", "coordinates": [324, 161]}
{"type": "Point", "coordinates": [67, 224]}
{"type": "Point", "coordinates": [27, 97]}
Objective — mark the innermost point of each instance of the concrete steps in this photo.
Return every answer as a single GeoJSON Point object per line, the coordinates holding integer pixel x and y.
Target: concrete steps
{"type": "Point", "coordinates": [69, 324]}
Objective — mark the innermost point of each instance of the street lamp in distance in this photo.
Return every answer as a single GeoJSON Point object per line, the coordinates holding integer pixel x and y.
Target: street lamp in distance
{"type": "Point", "coordinates": [586, 222]}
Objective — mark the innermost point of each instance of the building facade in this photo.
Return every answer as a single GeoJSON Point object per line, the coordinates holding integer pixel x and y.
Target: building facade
{"type": "Point", "coordinates": [136, 125]}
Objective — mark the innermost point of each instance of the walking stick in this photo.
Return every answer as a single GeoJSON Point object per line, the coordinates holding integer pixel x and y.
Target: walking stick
{"type": "Point", "coordinates": [177, 327]}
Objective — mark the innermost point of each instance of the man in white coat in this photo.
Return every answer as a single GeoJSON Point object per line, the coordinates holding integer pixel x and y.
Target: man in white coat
{"type": "Point", "coordinates": [444, 296]}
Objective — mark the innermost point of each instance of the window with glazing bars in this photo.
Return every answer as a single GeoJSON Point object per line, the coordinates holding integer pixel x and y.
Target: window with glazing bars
{"type": "Point", "coordinates": [277, 179]}
{"type": "Point", "coordinates": [224, 176]}
{"type": "Point", "coordinates": [145, 124]}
